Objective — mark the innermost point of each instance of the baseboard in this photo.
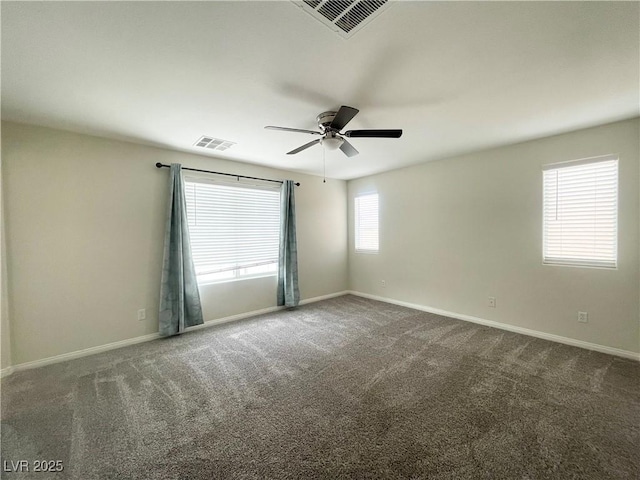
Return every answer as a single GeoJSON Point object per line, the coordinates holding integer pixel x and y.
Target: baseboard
{"type": "Point", "coordinates": [84, 353]}
{"type": "Point", "coordinates": [153, 336]}
{"type": "Point", "coordinates": [233, 318]}
{"type": "Point", "coordinates": [503, 326]}
{"type": "Point", "coordinates": [325, 297]}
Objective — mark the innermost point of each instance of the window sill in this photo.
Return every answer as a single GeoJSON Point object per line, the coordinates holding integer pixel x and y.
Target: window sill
{"type": "Point", "coordinates": [238, 279]}
{"type": "Point", "coordinates": [579, 265]}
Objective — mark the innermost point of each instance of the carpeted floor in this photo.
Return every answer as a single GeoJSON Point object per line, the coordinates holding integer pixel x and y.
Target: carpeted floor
{"type": "Point", "coordinates": [344, 388]}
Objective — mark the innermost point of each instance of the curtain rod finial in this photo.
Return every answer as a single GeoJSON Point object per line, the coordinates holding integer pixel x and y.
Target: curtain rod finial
{"type": "Point", "coordinates": [159, 165]}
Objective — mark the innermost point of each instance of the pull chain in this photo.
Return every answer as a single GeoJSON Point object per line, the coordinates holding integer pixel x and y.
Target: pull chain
{"type": "Point", "coordinates": [324, 167]}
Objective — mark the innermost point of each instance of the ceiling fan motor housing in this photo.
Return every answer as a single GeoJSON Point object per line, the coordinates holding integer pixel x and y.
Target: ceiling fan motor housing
{"type": "Point", "coordinates": [325, 119]}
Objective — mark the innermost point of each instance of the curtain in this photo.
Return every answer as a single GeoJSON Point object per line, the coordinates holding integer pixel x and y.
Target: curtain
{"type": "Point", "coordinates": [179, 297]}
{"type": "Point", "coordinates": [288, 293]}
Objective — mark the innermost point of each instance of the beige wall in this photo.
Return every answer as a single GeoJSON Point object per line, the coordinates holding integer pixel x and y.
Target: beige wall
{"type": "Point", "coordinates": [5, 338]}
{"type": "Point", "coordinates": [457, 231]}
{"type": "Point", "coordinates": [84, 219]}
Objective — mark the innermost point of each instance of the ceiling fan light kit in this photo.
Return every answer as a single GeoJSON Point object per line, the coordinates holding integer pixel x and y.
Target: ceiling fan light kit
{"type": "Point", "coordinates": [331, 137]}
{"type": "Point", "coordinates": [332, 142]}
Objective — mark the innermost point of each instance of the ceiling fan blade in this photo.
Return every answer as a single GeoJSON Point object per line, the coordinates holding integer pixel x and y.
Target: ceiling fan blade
{"type": "Point", "coordinates": [373, 133]}
{"type": "Point", "coordinates": [348, 149]}
{"type": "Point", "coordinates": [344, 116]}
{"type": "Point", "coordinates": [297, 130]}
{"type": "Point", "coordinates": [303, 147]}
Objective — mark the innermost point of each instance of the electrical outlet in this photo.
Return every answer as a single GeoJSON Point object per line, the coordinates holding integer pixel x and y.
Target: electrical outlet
{"type": "Point", "coordinates": [383, 283]}
{"type": "Point", "coordinates": [583, 317]}
{"type": "Point", "coordinates": [142, 314]}
{"type": "Point", "coordinates": [492, 302]}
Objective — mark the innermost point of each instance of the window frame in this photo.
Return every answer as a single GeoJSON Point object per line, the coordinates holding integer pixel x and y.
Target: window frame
{"type": "Point", "coordinates": [583, 263]}
{"type": "Point", "coordinates": [356, 223]}
{"type": "Point", "coordinates": [202, 278]}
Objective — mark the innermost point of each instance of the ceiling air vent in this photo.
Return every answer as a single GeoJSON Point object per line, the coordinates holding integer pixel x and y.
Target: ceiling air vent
{"type": "Point", "coordinates": [345, 17]}
{"type": "Point", "coordinates": [213, 143]}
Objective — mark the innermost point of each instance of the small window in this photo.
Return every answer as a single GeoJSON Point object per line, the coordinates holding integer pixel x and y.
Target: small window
{"type": "Point", "coordinates": [580, 224]}
{"type": "Point", "coordinates": [234, 230]}
{"type": "Point", "coordinates": [366, 214]}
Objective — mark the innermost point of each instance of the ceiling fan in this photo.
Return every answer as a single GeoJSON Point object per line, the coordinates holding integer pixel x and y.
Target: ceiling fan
{"type": "Point", "coordinates": [330, 124]}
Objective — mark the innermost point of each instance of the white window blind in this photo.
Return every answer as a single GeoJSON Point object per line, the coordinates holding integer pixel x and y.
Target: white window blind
{"type": "Point", "coordinates": [234, 230]}
{"type": "Point", "coordinates": [366, 215]}
{"type": "Point", "coordinates": [581, 213]}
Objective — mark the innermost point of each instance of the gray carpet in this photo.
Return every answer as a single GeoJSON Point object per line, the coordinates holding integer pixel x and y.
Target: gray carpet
{"type": "Point", "coordinates": [344, 388]}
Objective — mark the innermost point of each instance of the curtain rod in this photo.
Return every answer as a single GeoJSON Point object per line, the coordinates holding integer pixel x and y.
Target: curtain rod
{"type": "Point", "coordinates": [160, 165]}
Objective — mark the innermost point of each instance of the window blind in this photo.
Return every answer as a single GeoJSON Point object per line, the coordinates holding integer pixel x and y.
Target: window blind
{"type": "Point", "coordinates": [366, 227]}
{"type": "Point", "coordinates": [581, 213]}
{"type": "Point", "coordinates": [232, 228]}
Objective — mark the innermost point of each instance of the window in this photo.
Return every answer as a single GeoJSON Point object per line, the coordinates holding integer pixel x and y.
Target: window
{"type": "Point", "coordinates": [234, 230]}
{"type": "Point", "coordinates": [366, 213]}
{"type": "Point", "coordinates": [581, 213]}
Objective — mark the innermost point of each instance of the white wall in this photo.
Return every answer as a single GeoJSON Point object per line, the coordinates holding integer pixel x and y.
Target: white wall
{"type": "Point", "coordinates": [456, 231]}
{"type": "Point", "coordinates": [84, 219]}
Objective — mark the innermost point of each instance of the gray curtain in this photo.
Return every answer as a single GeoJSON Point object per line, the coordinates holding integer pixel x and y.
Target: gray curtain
{"type": "Point", "coordinates": [179, 297]}
{"type": "Point", "coordinates": [288, 293]}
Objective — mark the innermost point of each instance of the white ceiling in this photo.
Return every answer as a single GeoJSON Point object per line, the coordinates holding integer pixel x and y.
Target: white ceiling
{"type": "Point", "coordinates": [456, 76]}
